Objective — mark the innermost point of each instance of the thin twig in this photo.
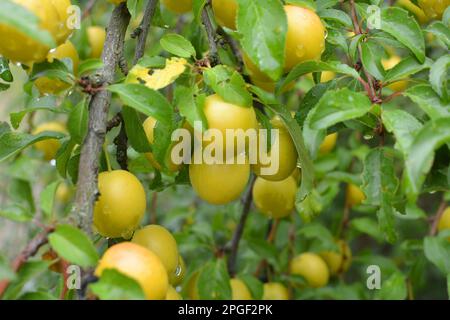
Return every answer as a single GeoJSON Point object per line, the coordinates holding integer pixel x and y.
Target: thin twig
{"type": "Point", "coordinates": [114, 122]}
{"type": "Point", "coordinates": [437, 217]}
{"type": "Point", "coordinates": [247, 202]}
{"type": "Point", "coordinates": [88, 9]}
{"type": "Point", "coordinates": [234, 47]}
{"type": "Point", "coordinates": [153, 218]}
{"type": "Point", "coordinates": [144, 28]}
{"type": "Point", "coordinates": [30, 250]}
{"type": "Point", "coordinates": [121, 142]}
{"type": "Point", "coordinates": [87, 189]}
{"type": "Point", "coordinates": [212, 39]}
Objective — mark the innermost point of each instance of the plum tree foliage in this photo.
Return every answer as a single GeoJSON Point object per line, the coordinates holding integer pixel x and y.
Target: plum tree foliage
{"type": "Point", "coordinates": [358, 91]}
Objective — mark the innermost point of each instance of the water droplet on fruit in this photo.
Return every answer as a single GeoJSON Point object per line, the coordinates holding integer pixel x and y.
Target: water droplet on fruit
{"type": "Point", "coordinates": [300, 51]}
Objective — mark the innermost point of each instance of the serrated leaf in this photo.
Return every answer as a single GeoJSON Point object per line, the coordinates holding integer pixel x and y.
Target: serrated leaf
{"type": "Point", "coordinates": [315, 66]}
{"type": "Point", "coordinates": [440, 30]}
{"type": "Point", "coordinates": [371, 59]}
{"type": "Point", "coordinates": [73, 245]}
{"type": "Point", "coordinates": [405, 68]}
{"type": "Point", "coordinates": [145, 100]}
{"type": "Point", "coordinates": [263, 27]}
{"type": "Point", "coordinates": [189, 108]}
{"type": "Point", "coordinates": [380, 185]}
{"type": "Point", "coordinates": [177, 45]}
{"type": "Point", "coordinates": [420, 155]}
{"type": "Point", "coordinates": [438, 76]}
{"type": "Point", "coordinates": [427, 99]}
{"type": "Point", "coordinates": [13, 142]}
{"type": "Point", "coordinates": [338, 105]}
{"type": "Point", "coordinates": [214, 281]}
{"type": "Point", "coordinates": [114, 285]}
{"type": "Point", "coordinates": [229, 85]}
{"type": "Point", "coordinates": [254, 285]}
{"type": "Point", "coordinates": [396, 22]}
{"type": "Point", "coordinates": [403, 125]}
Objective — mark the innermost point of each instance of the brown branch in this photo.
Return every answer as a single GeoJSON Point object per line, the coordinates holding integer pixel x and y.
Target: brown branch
{"type": "Point", "coordinates": [234, 47]}
{"type": "Point", "coordinates": [142, 31]}
{"type": "Point", "coordinates": [370, 88]}
{"type": "Point", "coordinates": [437, 217]}
{"type": "Point", "coordinates": [153, 218]}
{"type": "Point", "coordinates": [247, 202]}
{"type": "Point", "coordinates": [212, 39]}
{"type": "Point", "coordinates": [88, 9]}
{"type": "Point", "coordinates": [30, 250]}
{"type": "Point", "coordinates": [121, 142]}
{"type": "Point", "coordinates": [114, 122]}
{"type": "Point", "coordinates": [87, 190]}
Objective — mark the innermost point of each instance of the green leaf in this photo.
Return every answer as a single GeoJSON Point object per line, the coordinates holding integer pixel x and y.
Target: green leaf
{"type": "Point", "coordinates": [264, 249]}
{"type": "Point", "coordinates": [403, 125]}
{"type": "Point", "coordinates": [135, 131]}
{"type": "Point", "coordinates": [63, 156]}
{"type": "Point", "coordinates": [371, 59]}
{"type": "Point", "coordinates": [315, 231]}
{"type": "Point", "coordinates": [214, 281]}
{"type": "Point", "coordinates": [405, 68]}
{"type": "Point", "coordinates": [5, 72]}
{"type": "Point", "coordinates": [254, 285]}
{"type": "Point", "coordinates": [438, 76]}
{"type": "Point", "coordinates": [145, 100]}
{"type": "Point", "coordinates": [380, 185]}
{"type": "Point", "coordinates": [177, 45]}
{"type": "Point", "coordinates": [338, 105]}
{"type": "Point", "coordinates": [89, 65]}
{"type": "Point", "coordinates": [27, 272]}
{"type": "Point", "coordinates": [53, 70]}
{"type": "Point", "coordinates": [394, 288]}
{"type": "Point", "coordinates": [310, 206]}
{"type": "Point", "coordinates": [368, 226]}
{"type": "Point", "coordinates": [189, 108]}
{"type": "Point", "coordinates": [420, 155]}
{"type": "Point", "coordinates": [303, 155]}
{"type": "Point", "coordinates": [78, 121]}
{"type": "Point", "coordinates": [263, 27]}
{"type": "Point", "coordinates": [73, 245]}
{"type": "Point", "coordinates": [441, 31]}
{"type": "Point", "coordinates": [437, 250]}
{"type": "Point", "coordinates": [337, 16]}
{"type": "Point", "coordinates": [114, 285]}
{"type": "Point", "coordinates": [25, 21]}
{"type": "Point", "coordinates": [427, 99]}
{"type": "Point", "coordinates": [397, 22]}
{"type": "Point", "coordinates": [17, 117]}
{"type": "Point", "coordinates": [48, 198]}
{"type": "Point", "coordinates": [197, 8]}
{"type": "Point", "coordinates": [315, 66]}
{"type": "Point", "coordinates": [229, 85]}
{"type": "Point", "coordinates": [13, 142]}
{"type": "Point", "coordinates": [16, 213]}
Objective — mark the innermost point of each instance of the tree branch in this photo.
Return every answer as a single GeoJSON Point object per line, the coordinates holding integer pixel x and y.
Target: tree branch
{"type": "Point", "coordinates": [142, 31]}
{"type": "Point", "coordinates": [87, 190]}
{"type": "Point", "coordinates": [234, 47]}
{"type": "Point", "coordinates": [210, 32]}
{"type": "Point", "coordinates": [30, 250]}
{"type": "Point", "coordinates": [247, 202]}
{"type": "Point", "coordinates": [121, 142]}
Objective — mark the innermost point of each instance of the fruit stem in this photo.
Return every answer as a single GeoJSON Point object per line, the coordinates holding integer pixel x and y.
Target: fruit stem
{"type": "Point", "coordinates": [108, 161]}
